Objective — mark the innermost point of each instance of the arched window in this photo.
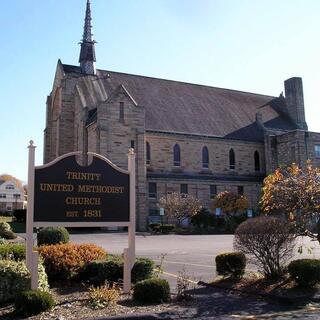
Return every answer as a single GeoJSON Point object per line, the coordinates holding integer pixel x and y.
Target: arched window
{"type": "Point", "coordinates": [205, 158]}
{"type": "Point", "coordinates": [256, 161]}
{"type": "Point", "coordinates": [176, 156]}
{"type": "Point", "coordinates": [232, 159]}
{"type": "Point", "coordinates": [148, 153]}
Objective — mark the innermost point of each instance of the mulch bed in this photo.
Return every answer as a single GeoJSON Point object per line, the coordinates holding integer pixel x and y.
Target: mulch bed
{"type": "Point", "coordinates": [283, 290]}
{"type": "Point", "coordinates": [73, 303]}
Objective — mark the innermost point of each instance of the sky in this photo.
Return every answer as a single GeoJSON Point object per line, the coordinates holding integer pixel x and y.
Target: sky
{"type": "Point", "coordinates": [245, 45]}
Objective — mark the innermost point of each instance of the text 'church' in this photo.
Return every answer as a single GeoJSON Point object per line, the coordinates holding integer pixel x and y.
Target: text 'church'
{"type": "Point", "coordinates": [188, 138]}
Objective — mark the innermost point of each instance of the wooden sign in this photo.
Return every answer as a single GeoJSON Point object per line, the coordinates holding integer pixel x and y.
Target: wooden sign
{"type": "Point", "coordinates": [64, 193]}
{"type": "Point", "coordinates": [68, 192]}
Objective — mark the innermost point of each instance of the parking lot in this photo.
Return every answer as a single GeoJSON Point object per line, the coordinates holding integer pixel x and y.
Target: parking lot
{"type": "Point", "coordinates": [193, 253]}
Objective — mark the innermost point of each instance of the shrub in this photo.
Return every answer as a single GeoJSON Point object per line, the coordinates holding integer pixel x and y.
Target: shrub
{"type": "Point", "coordinates": [9, 235]}
{"type": "Point", "coordinates": [98, 272]}
{"type": "Point", "coordinates": [104, 296]}
{"type": "Point", "coordinates": [305, 272]}
{"type": "Point", "coordinates": [13, 251]}
{"type": "Point", "coordinates": [2, 241]}
{"type": "Point", "coordinates": [20, 215]}
{"type": "Point", "coordinates": [111, 270]}
{"type": "Point", "coordinates": [268, 241]}
{"type": "Point", "coordinates": [64, 261]}
{"type": "Point", "coordinates": [231, 264]}
{"type": "Point", "coordinates": [166, 228]}
{"type": "Point", "coordinates": [15, 277]}
{"type": "Point", "coordinates": [33, 302]}
{"type": "Point", "coordinates": [52, 235]}
{"type": "Point", "coordinates": [6, 232]}
{"type": "Point", "coordinates": [4, 226]}
{"type": "Point", "coordinates": [152, 291]}
{"type": "Point", "coordinates": [142, 269]}
{"type": "Point", "coordinates": [155, 227]}
{"type": "Point", "coordinates": [201, 219]}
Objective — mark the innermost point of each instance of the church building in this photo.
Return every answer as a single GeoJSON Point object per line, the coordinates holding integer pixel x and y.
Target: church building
{"type": "Point", "coordinates": [188, 138]}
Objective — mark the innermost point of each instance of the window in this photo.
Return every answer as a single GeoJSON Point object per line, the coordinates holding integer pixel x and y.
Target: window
{"type": "Point", "coordinates": [132, 144]}
{"type": "Point", "coordinates": [317, 150]}
{"type": "Point", "coordinates": [10, 187]}
{"type": "Point", "coordinates": [3, 195]}
{"type": "Point", "coordinates": [240, 190]}
{"type": "Point", "coordinates": [121, 111]}
{"type": "Point", "coordinates": [184, 188]}
{"type": "Point", "coordinates": [176, 156]}
{"type": "Point", "coordinates": [17, 196]}
{"type": "Point", "coordinates": [152, 190]}
{"type": "Point", "coordinates": [205, 158]}
{"type": "Point", "coordinates": [232, 159]}
{"type": "Point", "coordinates": [256, 161]}
{"type": "Point", "coordinates": [148, 153]}
{"type": "Point", "coordinates": [213, 191]}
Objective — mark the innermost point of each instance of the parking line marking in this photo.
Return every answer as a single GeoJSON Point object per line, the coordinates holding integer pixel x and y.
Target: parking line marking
{"type": "Point", "coordinates": [175, 276]}
{"type": "Point", "coordinates": [185, 263]}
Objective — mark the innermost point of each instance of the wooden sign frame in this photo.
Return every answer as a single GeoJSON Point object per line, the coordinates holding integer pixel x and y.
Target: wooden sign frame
{"type": "Point", "coordinates": [129, 253]}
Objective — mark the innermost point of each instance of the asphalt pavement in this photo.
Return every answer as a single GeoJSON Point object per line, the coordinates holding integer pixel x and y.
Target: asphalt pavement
{"type": "Point", "coordinates": [193, 253]}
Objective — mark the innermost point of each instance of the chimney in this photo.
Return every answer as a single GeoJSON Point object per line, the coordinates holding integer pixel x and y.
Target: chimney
{"type": "Point", "coordinates": [294, 99]}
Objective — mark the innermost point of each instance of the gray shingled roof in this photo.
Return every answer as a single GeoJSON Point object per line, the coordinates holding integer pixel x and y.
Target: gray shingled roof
{"type": "Point", "coordinates": [173, 106]}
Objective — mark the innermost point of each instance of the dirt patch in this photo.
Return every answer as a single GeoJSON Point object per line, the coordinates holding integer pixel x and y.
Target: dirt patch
{"type": "Point", "coordinates": [73, 303]}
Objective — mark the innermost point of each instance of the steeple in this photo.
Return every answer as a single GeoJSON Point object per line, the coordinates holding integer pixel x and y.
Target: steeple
{"type": "Point", "coordinates": [87, 57]}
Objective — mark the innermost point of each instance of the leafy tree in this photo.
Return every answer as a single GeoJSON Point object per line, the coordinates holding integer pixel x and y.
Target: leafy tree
{"type": "Point", "coordinates": [180, 206]}
{"type": "Point", "coordinates": [8, 177]}
{"type": "Point", "coordinates": [230, 202]}
{"type": "Point", "coordinates": [295, 193]}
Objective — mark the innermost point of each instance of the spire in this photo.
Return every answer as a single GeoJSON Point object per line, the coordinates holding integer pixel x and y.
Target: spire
{"type": "Point", "coordinates": [87, 57]}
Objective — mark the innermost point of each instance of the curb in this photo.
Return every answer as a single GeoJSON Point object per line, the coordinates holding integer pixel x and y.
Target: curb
{"type": "Point", "coordinates": [142, 316]}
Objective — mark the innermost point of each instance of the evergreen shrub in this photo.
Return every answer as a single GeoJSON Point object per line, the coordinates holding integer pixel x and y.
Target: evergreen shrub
{"type": "Point", "coordinates": [50, 235]}
{"type": "Point", "coordinates": [305, 272]}
{"type": "Point", "coordinates": [33, 302]}
{"type": "Point", "coordinates": [231, 264]}
{"type": "Point", "coordinates": [153, 290]}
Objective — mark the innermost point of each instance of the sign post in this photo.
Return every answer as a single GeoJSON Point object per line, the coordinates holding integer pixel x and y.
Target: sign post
{"type": "Point", "coordinates": [129, 253]}
{"type": "Point", "coordinates": [65, 193]}
{"type": "Point", "coordinates": [31, 256]}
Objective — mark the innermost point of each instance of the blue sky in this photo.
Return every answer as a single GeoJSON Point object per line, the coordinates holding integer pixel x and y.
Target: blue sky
{"type": "Point", "coordinates": [239, 44]}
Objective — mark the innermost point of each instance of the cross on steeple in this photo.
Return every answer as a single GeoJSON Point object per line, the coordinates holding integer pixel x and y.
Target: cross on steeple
{"type": "Point", "coordinates": [87, 57]}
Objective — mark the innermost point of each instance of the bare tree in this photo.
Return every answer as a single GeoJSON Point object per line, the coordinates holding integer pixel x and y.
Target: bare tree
{"type": "Point", "coordinates": [267, 241]}
{"type": "Point", "coordinates": [179, 206]}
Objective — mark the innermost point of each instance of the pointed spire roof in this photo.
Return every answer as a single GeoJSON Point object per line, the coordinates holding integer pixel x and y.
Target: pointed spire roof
{"type": "Point", "coordinates": [87, 57]}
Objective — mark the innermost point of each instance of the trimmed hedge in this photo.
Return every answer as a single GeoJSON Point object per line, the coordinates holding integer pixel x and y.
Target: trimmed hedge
{"type": "Point", "coordinates": [4, 226]}
{"type": "Point", "coordinates": [231, 264]}
{"type": "Point", "coordinates": [154, 290]}
{"type": "Point", "coordinates": [305, 272]}
{"type": "Point", "coordinates": [111, 270]}
{"type": "Point", "coordinates": [64, 261]}
{"type": "Point", "coordinates": [50, 235]}
{"type": "Point", "coordinates": [13, 251]}
{"type": "Point", "coordinates": [6, 232]}
{"type": "Point", "coordinates": [15, 277]}
{"type": "Point", "coordinates": [163, 228]}
{"type": "Point", "coordinates": [33, 302]}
